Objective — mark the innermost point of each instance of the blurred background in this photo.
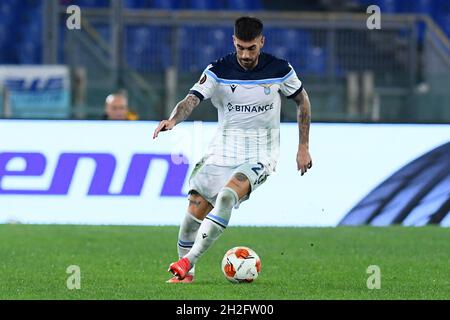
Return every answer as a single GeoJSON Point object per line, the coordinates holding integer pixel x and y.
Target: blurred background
{"type": "Point", "coordinates": [154, 50]}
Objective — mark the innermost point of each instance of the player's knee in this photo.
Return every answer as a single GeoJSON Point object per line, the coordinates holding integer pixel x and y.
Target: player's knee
{"type": "Point", "coordinates": [239, 183]}
{"type": "Point", "coordinates": [240, 178]}
{"type": "Point", "coordinates": [227, 198]}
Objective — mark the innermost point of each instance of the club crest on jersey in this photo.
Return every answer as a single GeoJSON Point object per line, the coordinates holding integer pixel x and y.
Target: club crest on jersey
{"type": "Point", "coordinates": [266, 88]}
{"type": "Point", "coordinates": [233, 87]}
{"type": "Point", "coordinates": [202, 79]}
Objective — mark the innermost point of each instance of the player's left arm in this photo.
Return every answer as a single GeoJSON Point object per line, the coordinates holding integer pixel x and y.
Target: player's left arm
{"type": "Point", "coordinates": [304, 161]}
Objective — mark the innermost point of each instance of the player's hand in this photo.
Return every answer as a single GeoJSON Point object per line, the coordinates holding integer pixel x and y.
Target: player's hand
{"type": "Point", "coordinates": [304, 161]}
{"type": "Point", "coordinates": [164, 126]}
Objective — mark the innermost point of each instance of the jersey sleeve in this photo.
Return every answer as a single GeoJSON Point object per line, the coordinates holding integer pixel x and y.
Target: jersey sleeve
{"type": "Point", "coordinates": [205, 86]}
{"type": "Point", "coordinates": [292, 85]}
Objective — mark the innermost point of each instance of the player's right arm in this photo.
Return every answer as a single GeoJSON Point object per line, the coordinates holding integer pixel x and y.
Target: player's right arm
{"type": "Point", "coordinates": [203, 89]}
{"type": "Point", "coordinates": [180, 113]}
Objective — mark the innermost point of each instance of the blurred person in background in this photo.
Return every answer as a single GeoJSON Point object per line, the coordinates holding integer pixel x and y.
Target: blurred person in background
{"type": "Point", "coordinates": [116, 108]}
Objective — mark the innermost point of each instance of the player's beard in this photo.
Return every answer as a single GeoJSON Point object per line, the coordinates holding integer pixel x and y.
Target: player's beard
{"type": "Point", "coordinates": [248, 63]}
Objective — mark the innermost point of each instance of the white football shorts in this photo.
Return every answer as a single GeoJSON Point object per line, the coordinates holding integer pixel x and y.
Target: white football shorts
{"type": "Point", "coordinates": [209, 179]}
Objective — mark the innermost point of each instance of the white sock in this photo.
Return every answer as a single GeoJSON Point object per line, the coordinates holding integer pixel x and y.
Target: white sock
{"type": "Point", "coordinates": [186, 236]}
{"type": "Point", "coordinates": [214, 224]}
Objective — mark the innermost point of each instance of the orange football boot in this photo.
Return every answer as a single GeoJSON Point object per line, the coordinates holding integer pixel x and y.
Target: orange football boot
{"type": "Point", "coordinates": [180, 268]}
{"type": "Point", "coordinates": [188, 279]}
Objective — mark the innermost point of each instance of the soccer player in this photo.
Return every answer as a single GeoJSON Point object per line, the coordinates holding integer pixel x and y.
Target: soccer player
{"type": "Point", "coordinates": [244, 87]}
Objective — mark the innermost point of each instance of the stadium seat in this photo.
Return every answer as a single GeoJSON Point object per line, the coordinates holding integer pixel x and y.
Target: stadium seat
{"type": "Point", "coordinates": [192, 40]}
{"type": "Point", "coordinates": [196, 61]}
{"type": "Point", "coordinates": [21, 22]}
{"type": "Point", "coordinates": [221, 37]}
{"type": "Point", "coordinates": [7, 13]}
{"type": "Point", "coordinates": [243, 5]}
{"type": "Point", "coordinates": [145, 50]}
{"type": "Point", "coordinates": [31, 32]}
{"type": "Point", "coordinates": [386, 6]}
{"type": "Point", "coordinates": [217, 35]}
{"type": "Point", "coordinates": [134, 4]}
{"type": "Point", "coordinates": [165, 4]}
{"type": "Point", "coordinates": [441, 7]}
{"type": "Point", "coordinates": [422, 6]}
{"type": "Point", "coordinates": [280, 52]}
{"type": "Point", "coordinates": [8, 54]}
{"type": "Point", "coordinates": [137, 34]}
{"type": "Point", "coordinates": [198, 46]}
{"type": "Point", "coordinates": [403, 6]}
{"type": "Point", "coordinates": [291, 38]}
{"type": "Point", "coordinates": [290, 44]}
{"type": "Point", "coordinates": [206, 56]}
{"type": "Point", "coordinates": [91, 3]}
{"type": "Point", "coordinates": [273, 40]}
{"type": "Point", "coordinates": [202, 5]}
{"type": "Point", "coordinates": [316, 61]}
{"type": "Point", "coordinates": [296, 38]}
{"type": "Point", "coordinates": [30, 52]}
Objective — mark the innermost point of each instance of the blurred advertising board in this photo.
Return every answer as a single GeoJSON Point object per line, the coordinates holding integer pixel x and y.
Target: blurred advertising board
{"type": "Point", "coordinates": [30, 91]}
{"type": "Point", "coordinates": [107, 172]}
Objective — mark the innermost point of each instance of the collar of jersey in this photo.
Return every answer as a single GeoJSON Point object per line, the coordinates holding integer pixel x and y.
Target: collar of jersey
{"type": "Point", "coordinates": [261, 81]}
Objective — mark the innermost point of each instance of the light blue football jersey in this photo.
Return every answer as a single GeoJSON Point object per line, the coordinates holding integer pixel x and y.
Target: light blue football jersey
{"type": "Point", "coordinates": [248, 104]}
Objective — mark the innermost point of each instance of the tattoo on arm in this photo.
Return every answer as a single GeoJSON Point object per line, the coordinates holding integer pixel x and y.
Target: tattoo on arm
{"type": "Point", "coordinates": [184, 108]}
{"type": "Point", "coordinates": [303, 116]}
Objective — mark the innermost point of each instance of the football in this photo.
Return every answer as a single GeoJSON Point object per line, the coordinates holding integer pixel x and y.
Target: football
{"type": "Point", "coordinates": [241, 264]}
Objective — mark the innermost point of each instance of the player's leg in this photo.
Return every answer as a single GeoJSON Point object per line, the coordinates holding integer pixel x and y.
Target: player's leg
{"type": "Point", "coordinates": [197, 210]}
{"type": "Point", "coordinates": [244, 180]}
{"type": "Point", "coordinates": [217, 220]}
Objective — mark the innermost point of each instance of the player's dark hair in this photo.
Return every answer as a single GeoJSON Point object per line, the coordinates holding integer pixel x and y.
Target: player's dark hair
{"type": "Point", "coordinates": [247, 28]}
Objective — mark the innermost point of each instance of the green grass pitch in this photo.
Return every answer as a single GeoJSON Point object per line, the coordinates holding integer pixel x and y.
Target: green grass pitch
{"type": "Point", "coordinates": [126, 262]}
